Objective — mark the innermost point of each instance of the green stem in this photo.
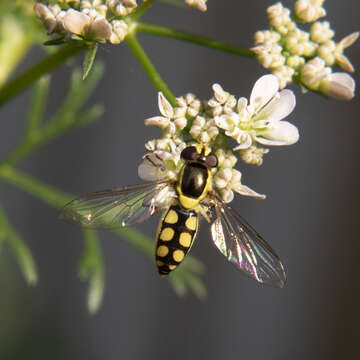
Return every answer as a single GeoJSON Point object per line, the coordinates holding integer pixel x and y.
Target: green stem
{"type": "Point", "coordinates": [193, 38]}
{"type": "Point", "coordinates": [148, 66]}
{"type": "Point", "coordinates": [32, 74]}
{"type": "Point", "coordinates": [44, 192]}
{"type": "Point", "coordinates": [140, 10]}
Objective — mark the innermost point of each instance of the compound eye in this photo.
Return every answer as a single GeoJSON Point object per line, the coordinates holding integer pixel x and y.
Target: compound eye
{"type": "Point", "coordinates": [190, 153]}
{"type": "Point", "coordinates": [211, 160]}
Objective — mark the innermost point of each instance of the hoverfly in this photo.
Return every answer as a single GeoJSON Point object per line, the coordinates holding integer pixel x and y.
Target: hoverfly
{"type": "Point", "coordinates": [182, 201]}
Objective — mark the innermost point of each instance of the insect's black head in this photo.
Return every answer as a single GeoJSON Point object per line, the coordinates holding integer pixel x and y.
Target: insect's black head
{"type": "Point", "coordinates": [197, 154]}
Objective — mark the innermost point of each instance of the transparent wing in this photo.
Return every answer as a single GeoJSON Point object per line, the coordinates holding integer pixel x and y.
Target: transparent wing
{"type": "Point", "coordinates": [242, 245]}
{"type": "Point", "coordinates": [119, 207]}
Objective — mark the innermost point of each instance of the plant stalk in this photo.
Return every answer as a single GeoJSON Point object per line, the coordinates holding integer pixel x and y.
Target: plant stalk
{"type": "Point", "coordinates": [193, 38]}
{"type": "Point", "coordinates": [148, 66]}
{"type": "Point", "coordinates": [29, 76]}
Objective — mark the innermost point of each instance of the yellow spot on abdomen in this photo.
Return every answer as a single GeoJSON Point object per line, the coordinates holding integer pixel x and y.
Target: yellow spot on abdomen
{"type": "Point", "coordinates": [167, 234]}
{"type": "Point", "coordinates": [185, 239]}
{"type": "Point", "coordinates": [178, 255]}
{"type": "Point", "coordinates": [172, 267]}
{"type": "Point", "coordinates": [191, 223]}
{"type": "Point", "coordinates": [159, 263]}
{"type": "Point", "coordinates": [171, 217]}
{"type": "Point", "coordinates": [162, 250]}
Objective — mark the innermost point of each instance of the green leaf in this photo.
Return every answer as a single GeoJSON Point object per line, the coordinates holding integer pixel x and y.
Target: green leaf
{"type": "Point", "coordinates": [55, 42]}
{"type": "Point", "coordinates": [38, 104]}
{"type": "Point", "coordinates": [178, 284]}
{"type": "Point", "coordinates": [89, 116]}
{"type": "Point", "coordinates": [89, 59]}
{"type": "Point", "coordinates": [92, 270]}
{"type": "Point", "coordinates": [186, 278]}
{"type": "Point", "coordinates": [20, 250]}
{"type": "Point", "coordinates": [195, 285]}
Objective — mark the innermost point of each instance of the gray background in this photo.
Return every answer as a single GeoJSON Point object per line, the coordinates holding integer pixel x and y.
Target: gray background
{"type": "Point", "coordinates": [310, 217]}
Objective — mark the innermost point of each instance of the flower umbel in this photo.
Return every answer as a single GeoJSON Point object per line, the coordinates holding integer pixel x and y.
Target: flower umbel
{"type": "Point", "coordinates": [290, 52]}
{"type": "Point", "coordinates": [91, 20]}
{"type": "Point", "coordinates": [217, 123]}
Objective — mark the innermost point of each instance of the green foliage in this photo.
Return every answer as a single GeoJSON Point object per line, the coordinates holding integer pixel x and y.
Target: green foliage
{"type": "Point", "coordinates": [92, 269]}
{"type": "Point", "coordinates": [89, 59]}
{"type": "Point", "coordinates": [19, 249]}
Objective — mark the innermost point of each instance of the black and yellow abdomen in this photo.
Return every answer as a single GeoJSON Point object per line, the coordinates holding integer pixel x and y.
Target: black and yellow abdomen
{"type": "Point", "coordinates": [176, 233]}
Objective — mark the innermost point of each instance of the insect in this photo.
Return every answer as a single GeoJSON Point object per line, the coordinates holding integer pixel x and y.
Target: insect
{"type": "Point", "coordinates": [182, 201]}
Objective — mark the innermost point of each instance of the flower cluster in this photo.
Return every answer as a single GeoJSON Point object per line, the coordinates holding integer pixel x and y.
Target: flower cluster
{"type": "Point", "coordinates": [91, 20]}
{"type": "Point", "coordinates": [306, 57]}
{"type": "Point", "coordinates": [231, 127]}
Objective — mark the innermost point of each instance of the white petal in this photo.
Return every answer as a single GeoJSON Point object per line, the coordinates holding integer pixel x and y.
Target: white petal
{"type": "Point", "coordinates": [147, 172]}
{"type": "Point", "coordinates": [220, 183]}
{"type": "Point", "coordinates": [349, 40]}
{"type": "Point", "coordinates": [242, 103]}
{"type": "Point", "coordinates": [180, 123]}
{"type": "Point", "coordinates": [279, 133]}
{"type": "Point", "coordinates": [153, 166]}
{"type": "Point", "coordinates": [225, 174]}
{"type": "Point", "coordinates": [75, 21]}
{"type": "Point", "coordinates": [244, 140]}
{"type": "Point", "coordinates": [279, 108]}
{"type": "Point", "coordinates": [223, 122]}
{"type": "Point", "coordinates": [227, 195]}
{"type": "Point", "coordinates": [158, 121]}
{"type": "Point", "coordinates": [219, 93]}
{"type": "Point", "coordinates": [99, 29]}
{"type": "Point", "coordinates": [164, 106]}
{"type": "Point", "coordinates": [245, 190]}
{"type": "Point", "coordinates": [340, 86]}
{"type": "Point", "coordinates": [263, 91]}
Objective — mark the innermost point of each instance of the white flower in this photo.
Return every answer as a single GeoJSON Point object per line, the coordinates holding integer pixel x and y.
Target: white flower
{"type": "Point", "coordinates": [269, 54]}
{"type": "Point", "coordinates": [222, 102]}
{"type": "Point", "coordinates": [233, 123]}
{"type": "Point", "coordinates": [97, 5]}
{"type": "Point", "coordinates": [339, 86]}
{"type": "Point", "coordinates": [191, 104]}
{"type": "Point", "coordinates": [279, 18]}
{"type": "Point", "coordinates": [321, 32]}
{"type": "Point", "coordinates": [297, 42]}
{"type": "Point", "coordinates": [119, 31]}
{"type": "Point", "coordinates": [226, 158]}
{"type": "Point", "coordinates": [269, 107]}
{"type": "Point", "coordinates": [162, 162]}
{"type": "Point", "coordinates": [285, 73]}
{"type": "Point", "coordinates": [261, 119]}
{"type": "Point", "coordinates": [203, 129]}
{"type": "Point", "coordinates": [317, 77]}
{"type": "Point", "coordinates": [171, 121]}
{"type": "Point", "coordinates": [309, 10]}
{"type": "Point", "coordinates": [122, 7]}
{"type": "Point", "coordinates": [253, 155]}
{"type": "Point", "coordinates": [228, 180]}
{"type": "Point", "coordinates": [199, 4]}
{"type": "Point", "coordinates": [261, 36]}
{"type": "Point", "coordinates": [96, 28]}
{"type": "Point", "coordinates": [49, 15]}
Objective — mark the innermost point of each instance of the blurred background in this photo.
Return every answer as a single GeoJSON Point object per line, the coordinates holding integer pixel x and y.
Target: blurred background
{"type": "Point", "coordinates": [310, 216]}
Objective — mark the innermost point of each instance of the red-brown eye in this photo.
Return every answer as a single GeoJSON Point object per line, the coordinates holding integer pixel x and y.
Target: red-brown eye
{"type": "Point", "coordinates": [190, 153]}
{"type": "Point", "coordinates": [211, 160]}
